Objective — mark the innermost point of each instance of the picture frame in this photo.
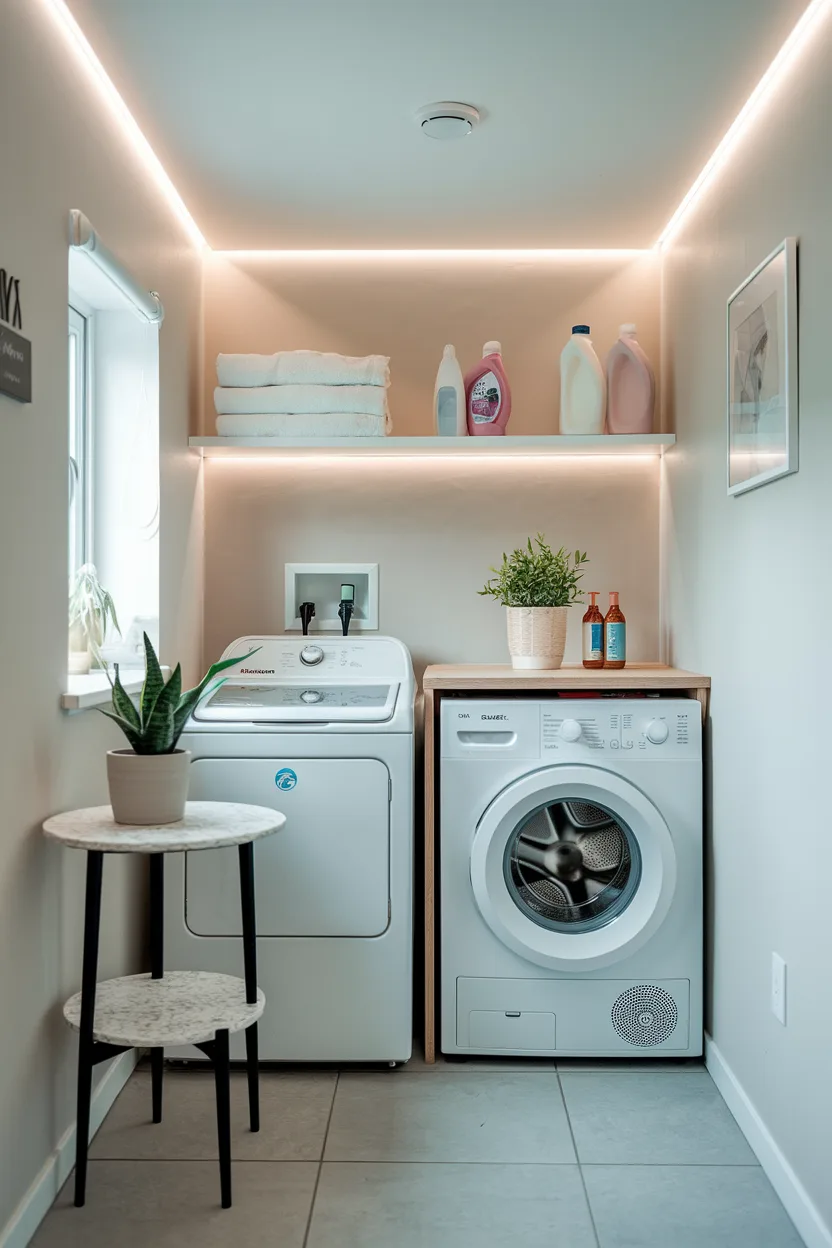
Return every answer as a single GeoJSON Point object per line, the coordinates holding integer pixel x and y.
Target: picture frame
{"type": "Point", "coordinates": [762, 400]}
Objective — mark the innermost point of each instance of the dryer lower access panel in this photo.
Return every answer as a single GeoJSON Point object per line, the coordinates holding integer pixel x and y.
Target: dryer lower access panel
{"type": "Point", "coordinates": [326, 873]}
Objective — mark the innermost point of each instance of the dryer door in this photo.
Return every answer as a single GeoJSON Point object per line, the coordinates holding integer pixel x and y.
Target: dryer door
{"type": "Point", "coordinates": [573, 867]}
{"type": "Point", "coordinates": [326, 873]}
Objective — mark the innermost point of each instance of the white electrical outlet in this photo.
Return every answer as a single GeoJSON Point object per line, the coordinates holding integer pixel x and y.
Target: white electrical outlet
{"type": "Point", "coordinates": [778, 988]}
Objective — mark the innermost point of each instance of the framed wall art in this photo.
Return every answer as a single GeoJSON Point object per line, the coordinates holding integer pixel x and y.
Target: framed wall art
{"type": "Point", "coordinates": [762, 373]}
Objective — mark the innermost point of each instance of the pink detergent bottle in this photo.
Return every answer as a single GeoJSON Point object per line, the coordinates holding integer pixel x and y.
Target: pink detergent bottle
{"type": "Point", "coordinates": [487, 395]}
{"type": "Point", "coordinates": [631, 386]}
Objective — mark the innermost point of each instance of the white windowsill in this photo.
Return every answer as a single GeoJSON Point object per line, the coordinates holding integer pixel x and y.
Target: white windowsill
{"type": "Point", "coordinates": [83, 692]}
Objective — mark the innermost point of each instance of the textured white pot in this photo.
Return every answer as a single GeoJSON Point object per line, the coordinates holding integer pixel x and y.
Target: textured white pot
{"type": "Point", "coordinates": [536, 636]}
{"type": "Point", "coordinates": [79, 662]}
{"type": "Point", "coordinates": [148, 788]}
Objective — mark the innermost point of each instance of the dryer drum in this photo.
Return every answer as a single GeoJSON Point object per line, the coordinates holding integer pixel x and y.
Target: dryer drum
{"type": "Point", "coordinates": [572, 865]}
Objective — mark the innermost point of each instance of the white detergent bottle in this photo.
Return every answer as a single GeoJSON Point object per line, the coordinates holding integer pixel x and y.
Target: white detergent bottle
{"type": "Point", "coordinates": [583, 385]}
{"type": "Point", "coordinates": [449, 397]}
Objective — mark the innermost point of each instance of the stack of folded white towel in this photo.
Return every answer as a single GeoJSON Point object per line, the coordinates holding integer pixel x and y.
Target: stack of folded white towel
{"type": "Point", "coordinates": [300, 394]}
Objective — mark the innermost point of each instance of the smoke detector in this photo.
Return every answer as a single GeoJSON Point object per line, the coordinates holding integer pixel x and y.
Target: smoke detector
{"type": "Point", "coordinates": [447, 120]}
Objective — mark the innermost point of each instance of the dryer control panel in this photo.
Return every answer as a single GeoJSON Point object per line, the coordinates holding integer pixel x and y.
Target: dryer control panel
{"type": "Point", "coordinates": [572, 730]}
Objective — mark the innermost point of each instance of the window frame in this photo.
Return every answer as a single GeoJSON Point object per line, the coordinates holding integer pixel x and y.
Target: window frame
{"type": "Point", "coordinates": [80, 435]}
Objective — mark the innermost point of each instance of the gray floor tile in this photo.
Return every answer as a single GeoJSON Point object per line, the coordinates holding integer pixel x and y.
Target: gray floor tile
{"type": "Point", "coordinates": [652, 1119]}
{"type": "Point", "coordinates": [688, 1207]}
{"type": "Point", "coordinates": [517, 1118]}
{"type": "Point", "coordinates": [135, 1204]}
{"type": "Point", "coordinates": [450, 1206]}
{"type": "Point", "coordinates": [294, 1111]}
{"type": "Point", "coordinates": [645, 1065]}
{"type": "Point", "coordinates": [475, 1065]}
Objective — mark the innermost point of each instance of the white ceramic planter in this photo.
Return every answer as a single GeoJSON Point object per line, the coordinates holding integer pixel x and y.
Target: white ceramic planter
{"type": "Point", "coordinates": [148, 788]}
{"type": "Point", "coordinates": [536, 636]}
{"type": "Point", "coordinates": [79, 662]}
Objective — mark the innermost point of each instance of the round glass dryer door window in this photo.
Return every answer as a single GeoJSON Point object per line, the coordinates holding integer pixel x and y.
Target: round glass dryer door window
{"type": "Point", "coordinates": [573, 867]}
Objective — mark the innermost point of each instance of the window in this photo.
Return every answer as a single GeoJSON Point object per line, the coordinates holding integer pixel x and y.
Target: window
{"type": "Point", "coordinates": [80, 440]}
{"type": "Point", "coordinates": [113, 409]}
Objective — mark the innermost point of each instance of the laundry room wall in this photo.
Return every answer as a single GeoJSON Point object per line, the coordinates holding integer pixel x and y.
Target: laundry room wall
{"type": "Point", "coordinates": [62, 150]}
{"type": "Point", "coordinates": [433, 525]}
{"type": "Point", "coordinates": [748, 593]}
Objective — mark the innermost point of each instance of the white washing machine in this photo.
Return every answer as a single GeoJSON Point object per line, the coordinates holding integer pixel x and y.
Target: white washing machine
{"type": "Point", "coordinates": [571, 876]}
{"type": "Point", "coordinates": [321, 729]}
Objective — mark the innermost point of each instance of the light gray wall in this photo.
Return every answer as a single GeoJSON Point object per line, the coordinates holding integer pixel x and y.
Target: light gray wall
{"type": "Point", "coordinates": [749, 593]}
{"type": "Point", "coordinates": [58, 151]}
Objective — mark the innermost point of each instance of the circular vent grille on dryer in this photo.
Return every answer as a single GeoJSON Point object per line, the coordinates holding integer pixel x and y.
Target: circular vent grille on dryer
{"type": "Point", "coordinates": [645, 1015]}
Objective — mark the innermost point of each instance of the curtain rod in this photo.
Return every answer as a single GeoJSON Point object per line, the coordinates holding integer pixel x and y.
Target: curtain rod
{"type": "Point", "coordinates": [83, 236]}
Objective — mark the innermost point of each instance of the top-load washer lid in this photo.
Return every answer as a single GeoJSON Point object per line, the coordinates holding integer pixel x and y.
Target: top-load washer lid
{"type": "Point", "coordinates": [295, 702]}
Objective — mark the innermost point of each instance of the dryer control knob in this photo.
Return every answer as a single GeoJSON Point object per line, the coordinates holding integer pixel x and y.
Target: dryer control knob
{"type": "Point", "coordinates": [311, 696]}
{"type": "Point", "coordinates": [310, 655]}
{"type": "Point", "coordinates": [657, 731]}
{"type": "Point", "coordinates": [570, 730]}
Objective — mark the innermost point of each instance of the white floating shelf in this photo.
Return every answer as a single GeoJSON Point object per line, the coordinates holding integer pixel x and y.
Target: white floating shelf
{"type": "Point", "coordinates": [553, 444]}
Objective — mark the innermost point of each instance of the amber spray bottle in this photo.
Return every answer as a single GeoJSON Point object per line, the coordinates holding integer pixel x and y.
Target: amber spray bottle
{"type": "Point", "coordinates": [593, 633]}
{"type": "Point", "coordinates": [615, 635]}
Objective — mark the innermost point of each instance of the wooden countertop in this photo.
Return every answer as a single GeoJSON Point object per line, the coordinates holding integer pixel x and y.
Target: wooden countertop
{"type": "Point", "coordinates": [469, 676]}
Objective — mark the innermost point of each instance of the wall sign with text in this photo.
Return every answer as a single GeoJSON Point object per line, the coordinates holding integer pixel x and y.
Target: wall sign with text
{"type": "Point", "coordinates": [15, 350]}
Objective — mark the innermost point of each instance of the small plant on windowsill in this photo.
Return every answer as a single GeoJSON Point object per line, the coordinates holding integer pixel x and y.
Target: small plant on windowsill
{"type": "Point", "coordinates": [537, 586]}
{"type": "Point", "coordinates": [91, 611]}
{"type": "Point", "coordinates": [149, 782]}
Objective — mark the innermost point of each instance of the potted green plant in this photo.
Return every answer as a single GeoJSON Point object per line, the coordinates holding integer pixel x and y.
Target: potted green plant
{"type": "Point", "coordinates": [149, 781]}
{"type": "Point", "coordinates": [537, 586]}
{"type": "Point", "coordinates": [91, 610]}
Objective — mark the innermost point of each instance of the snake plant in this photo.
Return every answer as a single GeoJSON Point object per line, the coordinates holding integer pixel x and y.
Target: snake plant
{"type": "Point", "coordinates": [156, 724]}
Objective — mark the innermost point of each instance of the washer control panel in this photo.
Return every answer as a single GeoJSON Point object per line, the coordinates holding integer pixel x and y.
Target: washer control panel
{"type": "Point", "coordinates": [572, 730]}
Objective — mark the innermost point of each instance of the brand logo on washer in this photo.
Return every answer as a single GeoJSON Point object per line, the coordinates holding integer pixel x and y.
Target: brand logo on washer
{"type": "Point", "coordinates": [286, 779]}
{"type": "Point", "coordinates": [493, 716]}
{"type": "Point", "coordinates": [257, 671]}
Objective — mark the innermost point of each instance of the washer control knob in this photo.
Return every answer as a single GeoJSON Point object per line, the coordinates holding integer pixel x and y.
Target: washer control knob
{"type": "Point", "coordinates": [571, 730]}
{"type": "Point", "coordinates": [311, 695]}
{"type": "Point", "coordinates": [657, 731]}
{"type": "Point", "coordinates": [310, 655]}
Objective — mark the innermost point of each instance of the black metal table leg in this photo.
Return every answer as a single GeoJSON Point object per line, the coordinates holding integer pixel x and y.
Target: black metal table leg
{"type": "Point", "coordinates": [157, 963]}
{"type": "Point", "coordinates": [92, 928]}
{"type": "Point", "coordinates": [222, 1079]}
{"type": "Point", "coordinates": [250, 963]}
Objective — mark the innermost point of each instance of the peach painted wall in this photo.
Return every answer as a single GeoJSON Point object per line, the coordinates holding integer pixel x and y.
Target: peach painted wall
{"type": "Point", "coordinates": [433, 526]}
{"type": "Point", "coordinates": [408, 308]}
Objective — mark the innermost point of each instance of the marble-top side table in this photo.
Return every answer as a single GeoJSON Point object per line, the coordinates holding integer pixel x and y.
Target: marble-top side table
{"type": "Point", "coordinates": [181, 1007]}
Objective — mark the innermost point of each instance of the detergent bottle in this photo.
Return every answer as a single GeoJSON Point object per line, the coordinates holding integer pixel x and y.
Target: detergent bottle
{"type": "Point", "coordinates": [449, 411]}
{"type": "Point", "coordinates": [487, 394]}
{"type": "Point", "coordinates": [631, 386]}
{"type": "Point", "coordinates": [583, 385]}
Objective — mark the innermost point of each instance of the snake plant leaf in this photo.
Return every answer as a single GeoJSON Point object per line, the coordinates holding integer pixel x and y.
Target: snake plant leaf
{"type": "Point", "coordinates": [157, 736]}
{"type": "Point", "coordinates": [133, 737]}
{"type": "Point", "coordinates": [123, 703]}
{"type": "Point", "coordinates": [154, 681]}
{"type": "Point", "coordinates": [159, 726]}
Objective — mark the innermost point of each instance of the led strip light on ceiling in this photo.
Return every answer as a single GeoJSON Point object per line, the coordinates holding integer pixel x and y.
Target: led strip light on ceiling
{"type": "Point", "coordinates": [778, 71]}
{"type": "Point", "coordinates": [83, 51]}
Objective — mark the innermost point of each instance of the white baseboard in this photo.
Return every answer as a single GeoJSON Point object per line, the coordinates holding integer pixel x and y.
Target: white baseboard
{"type": "Point", "coordinates": [37, 1202]}
{"type": "Point", "coordinates": [787, 1185]}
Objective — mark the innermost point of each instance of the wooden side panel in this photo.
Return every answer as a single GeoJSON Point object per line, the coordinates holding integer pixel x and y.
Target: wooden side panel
{"type": "Point", "coordinates": [431, 706]}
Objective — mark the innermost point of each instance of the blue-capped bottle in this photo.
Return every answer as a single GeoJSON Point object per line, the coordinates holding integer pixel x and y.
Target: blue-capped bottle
{"type": "Point", "coordinates": [615, 634]}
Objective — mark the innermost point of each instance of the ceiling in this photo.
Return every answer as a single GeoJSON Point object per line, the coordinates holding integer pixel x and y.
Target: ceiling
{"type": "Point", "coordinates": [290, 123]}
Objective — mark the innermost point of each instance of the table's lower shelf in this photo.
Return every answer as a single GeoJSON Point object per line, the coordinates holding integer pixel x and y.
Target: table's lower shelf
{"type": "Point", "coordinates": [185, 1007]}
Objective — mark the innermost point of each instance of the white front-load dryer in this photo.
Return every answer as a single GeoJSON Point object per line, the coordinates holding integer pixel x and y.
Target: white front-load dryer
{"type": "Point", "coordinates": [321, 729]}
{"type": "Point", "coordinates": [571, 876]}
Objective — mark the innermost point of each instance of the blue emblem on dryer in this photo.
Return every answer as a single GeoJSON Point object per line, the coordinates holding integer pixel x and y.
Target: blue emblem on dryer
{"type": "Point", "coordinates": [286, 779]}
